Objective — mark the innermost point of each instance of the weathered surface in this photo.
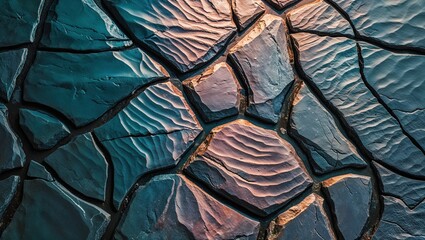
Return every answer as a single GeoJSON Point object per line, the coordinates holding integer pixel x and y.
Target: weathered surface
{"type": "Point", "coordinates": [11, 64]}
{"type": "Point", "coordinates": [80, 164]}
{"type": "Point", "coordinates": [187, 33]}
{"type": "Point", "coordinates": [11, 155]}
{"type": "Point", "coordinates": [396, 77]}
{"type": "Point", "coordinates": [317, 132]}
{"type": "Point", "coordinates": [318, 16]}
{"type": "Point", "coordinates": [398, 22]}
{"type": "Point", "coordinates": [36, 170]}
{"type": "Point", "coordinates": [306, 220]}
{"type": "Point", "coordinates": [171, 207]}
{"type": "Point", "coordinates": [54, 213]}
{"type": "Point", "coordinates": [8, 189]}
{"type": "Point", "coordinates": [263, 61]}
{"type": "Point", "coordinates": [91, 30]}
{"type": "Point", "coordinates": [350, 199]}
{"type": "Point", "coordinates": [249, 165]}
{"type": "Point", "coordinates": [247, 11]}
{"type": "Point", "coordinates": [215, 93]}
{"type": "Point", "coordinates": [281, 4]}
{"type": "Point", "coordinates": [18, 21]}
{"type": "Point", "coordinates": [410, 191]}
{"type": "Point", "coordinates": [151, 133]}
{"type": "Point", "coordinates": [85, 86]}
{"type": "Point", "coordinates": [43, 130]}
{"type": "Point", "coordinates": [400, 222]}
{"type": "Point", "coordinates": [331, 66]}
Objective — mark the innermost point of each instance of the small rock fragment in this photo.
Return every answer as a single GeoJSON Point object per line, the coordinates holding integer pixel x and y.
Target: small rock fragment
{"type": "Point", "coordinates": [36, 170]}
{"type": "Point", "coordinates": [246, 11]}
{"type": "Point", "coordinates": [43, 130]}
{"type": "Point", "coordinates": [8, 189]}
{"type": "Point", "coordinates": [215, 93]}
{"type": "Point", "coordinates": [11, 64]}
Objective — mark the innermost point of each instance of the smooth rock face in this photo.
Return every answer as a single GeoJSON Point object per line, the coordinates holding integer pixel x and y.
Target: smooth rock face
{"type": "Point", "coordinates": [85, 86]}
{"type": "Point", "coordinates": [318, 16]}
{"type": "Point", "coordinates": [11, 64]}
{"type": "Point", "coordinates": [306, 220]}
{"type": "Point", "coordinates": [246, 11]}
{"type": "Point", "coordinates": [400, 222]}
{"type": "Point", "coordinates": [350, 199]}
{"type": "Point", "coordinates": [397, 78]}
{"type": "Point", "coordinates": [215, 93]}
{"type": "Point", "coordinates": [187, 33]}
{"type": "Point", "coordinates": [43, 130]}
{"type": "Point", "coordinates": [91, 30]}
{"type": "Point", "coordinates": [331, 65]}
{"type": "Point", "coordinates": [281, 4]}
{"type": "Point", "coordinates": [36, 170]}
{"type": "Point", "coordinates": [397, 22]}
{"type": "Point", "coordinates": [80, 164]}
{"type": "Point", "coordinates": [263, 61]}
{"type": "Point", "coordinates": [54, 213]}
{"type": "Point", "coordinates": [151, 133]}
{"type": "Point", "coordinates": [8, 189]}
{"type": "Point", "coordinates": [18, 21]}
{"type": "Point", "coordinates": [317, 132]}
{"type": "Point", "coordinates": [410, 191]}
{"type": "Point", "coordinates": [183, 211]}
{"type": "Point", "coordinates": [251, 166]}
{"type": "Point", "coordinates": [11, 155]}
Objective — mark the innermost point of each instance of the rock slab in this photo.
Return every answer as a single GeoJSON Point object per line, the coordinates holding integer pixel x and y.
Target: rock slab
{"type": "Point", "coordinates": [8, 189]}
{"type": "Point", "coordinates": [11, 64]}
{"type": "Point", "coordinates": [247, 11]}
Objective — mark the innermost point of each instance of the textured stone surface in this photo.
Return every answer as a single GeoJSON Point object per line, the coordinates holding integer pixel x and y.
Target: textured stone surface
{"type": "Point", "coordinates": [400, 222]}
{"type": "Point", "coordinates": [36, 170]}
{"type": "Point", "coordinates": [184, 211]}
{"type": "Point", "coordinates": [91, 30]}
{"type": "Point", "coordinates": [350, 199]}
{"type": "Point", "coordinates": [151, 133]}
{"type": "Point", "coordinates": [331, 65]}
{"type": "Point", "coordinates": [11, 64]}
{"type": "Point", "coordinates": [246, 11]}
{"type": "Point", "coordinates": [318, 16]}
{"type": "Point", "coordinates": [262, 59]}
{"type": "Point", "coordinates": [396, 78]}
{"type": "Point", "coordinates": [397, 22]}
{"type": "Point", "coordinates": [11, 155]}
{"type": "Point", "coordinates": [249, 165]}
{"type": "Point", "coordinates": [54, 213]}
{"type": "Point", "coordinates": [80, 164]}
{"type": "Point", "coordinates": [187, 33]}
{"type": "Point", "coordinates": [215, 93]}
{"type": "Point", "coordinates": [43, 130]}
{"type": "Point", "coordinates": [18, 21]}
{"type": "Point", "coordinates": [317, 132]}
{"type": "Point", "coordinates": [8, 189]}
{"type": "Point", "coordinates": [85, 86]}
{"type": "Point", "coordinates": [410, 191]}
{"type": "Point", "coordinates": [306, 220]}
{"type": "Point", "coordinates": [281, 4]}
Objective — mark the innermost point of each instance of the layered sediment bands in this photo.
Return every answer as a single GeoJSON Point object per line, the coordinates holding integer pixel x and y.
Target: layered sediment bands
{"type": "Point", "coordinates": [349, 197]}
{"type": "Point", "coordinates": [151, 133]}
{"type": "Point", "coordinates": [331, 66]}
{"type": "Point", "coordinates": [398, 79]}
{"type": "Point", "coordinates": [187, 33]}
{"type": "Point", "coordinates": [410, 191]}
{"type": "Point", "coordinates": [171, 207]}
{"type": "Point", "coordinates": [11, 64]}
{"type": "Point", "coordinates": [18, 21]}
{"type": "Point", "coordinates": [251, 166]}
{"type": "Point", "coordinates": [49, 211]}
{"type": "Point", "coordinates": [399, 22]}
{"type": "Point", "coordinates": [318, 16]}
{"type": "Point", "coordinates": [400, 222]}
{"type": "Point", "coordinates": [316, 130]}
{"type": "Point", "coordinates": [85, 86]}
{"type": "Point", "coordinates": [281, 4]}
{"type": "Point", "coordinates": [246, 11]}
{"type": "Point", "coordinates": [91, 30]}
{"type": "Point", "coordinates": [262, 59]}
{"type": "Point", "coordinates": [293, 223]}
{"type": "Point", "coordinates": [8, 189]}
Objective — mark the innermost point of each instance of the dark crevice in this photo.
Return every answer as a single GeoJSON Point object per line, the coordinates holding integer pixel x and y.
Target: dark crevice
{"type": "Point", "coordinates": [65, 50]}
